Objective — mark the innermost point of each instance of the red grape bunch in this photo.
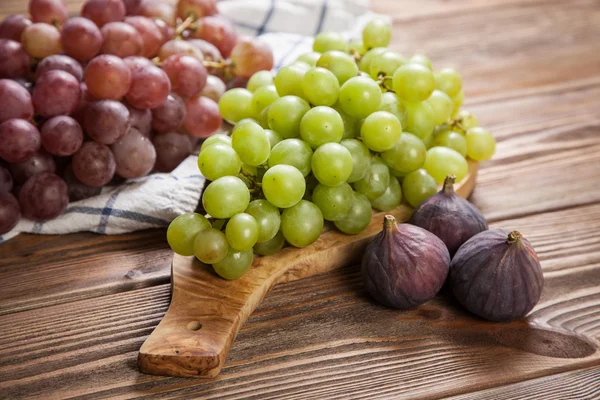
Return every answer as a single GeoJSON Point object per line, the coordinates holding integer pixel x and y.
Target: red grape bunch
{"type": "Point", "coordinates": [125, 89]}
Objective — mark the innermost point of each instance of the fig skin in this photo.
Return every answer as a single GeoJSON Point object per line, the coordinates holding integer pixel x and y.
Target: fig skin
{"type": "Point", "coordinates": [404, 266]}
{"type": "Point", "coordinates": [449, 217]}
{"type": "Point", "coordinates": [497, 275]}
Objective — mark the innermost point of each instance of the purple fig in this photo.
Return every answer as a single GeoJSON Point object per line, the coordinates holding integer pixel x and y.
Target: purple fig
{"type": "Point", "coordinates": [496, 275]}
{"type": "Point", "coordinates": [404, 265]}
{"type": "Point", "coordinates": [449, 217]}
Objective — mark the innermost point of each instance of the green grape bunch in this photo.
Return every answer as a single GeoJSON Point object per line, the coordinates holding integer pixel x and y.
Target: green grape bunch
{"type": "Point", "coordinates": [345, 129]}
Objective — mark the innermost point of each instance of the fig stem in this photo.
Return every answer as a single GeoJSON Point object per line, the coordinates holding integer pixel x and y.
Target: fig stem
{"type": "Point", "coordinates": [449, 184]}
{"type": "Point", "coordinates": [389, 222]}
{"type": "Point", "coordinates": [514, 237]}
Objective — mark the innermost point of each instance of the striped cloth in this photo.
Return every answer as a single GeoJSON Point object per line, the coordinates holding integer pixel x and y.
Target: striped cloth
{"type": "Point", "coordinates": [288, 26]}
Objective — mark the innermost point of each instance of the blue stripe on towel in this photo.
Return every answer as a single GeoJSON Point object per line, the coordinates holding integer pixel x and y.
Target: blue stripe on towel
{"type": "Point", "coordinates": [268, 16]}
{"type": "Point", "coordinates": [322, 17]}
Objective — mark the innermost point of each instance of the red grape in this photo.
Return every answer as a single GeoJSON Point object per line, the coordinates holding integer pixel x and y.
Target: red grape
{"type": "Point", "coordinates": [237, 82]}
{"type": "Point", "coordinates": [62, 63]}
{"type": "Point", "coordinates": [43, 196]}
{"type": "Point", "coordinates": [196, 8]}
{"type": "Point", "coordinates": [38, 163]}
{"type": "Point", "coordinates": [102, 12]}
{"type": "Point", "coordinates": [10, 212]}
{"type": "Point", "coordinates": [202, 116]}
{"type": "Point", "coordinates": [94, 164]}
{"type": "Point", "coordinates": [56, 93]}
{"type": "Point", "coordinates": [6, 181]}
{"type": "Point", "coordinates": [85, 99]}
{"type": "Point", "coordinates": [152, 37]}
{"type": "Point", "coordinates": [214, 88]}
{"type": "Point", "coordinates": [169, 116]}
{"type": "Point", "coordinates": [13, 26]}
{"type": "Point", "coordinates": [16, 101]}
{"type": "Point", "coordinates": [179, 47]}
{"type": "Point", "coordinates": [19, 140]}
{"type": "Point", "coordinates": [250, 55]}
{"type": "Point", "coordinates": [134, 155]}
{"type": "Point", "coordinates": [140, 120]}
{"type": "Point", "coordinates": [107, 77]}
{"type": "Point", "coordinates": [81, 38]}
{"type": "Point", "coordinates": [187, 74]}
{"type": "Point", "coordinates": [218, 31]}
{"type": "Point", "coordinates": [168, 32]}
{"type": "Point", "coordinates": [106, 121]}
{"type": "Point", "coordinates": [209, 50]}
{"type": "Point", "coordinates": [61, 136]}
{"type": "Point", "coordinates": [137, 62]}
{"type": "Point", "coordinates": [77, 189]}
{"type": "Point", "coordinates": [121, 39]}
{"type": "Point", "coordinates": [49, 11]}
{"type": "Point", "coordinates": [157, 9]}
{"type": "Point", "coordinates": [149, 88]}
{"type": "Point", "coordinates": [171, 149]}
{"type": "Point", "coordinates": [14, 61]}
{"type": "Point", "coordinates": [131, 6]}
{"type": "Point", "coordinates": [41, 40]}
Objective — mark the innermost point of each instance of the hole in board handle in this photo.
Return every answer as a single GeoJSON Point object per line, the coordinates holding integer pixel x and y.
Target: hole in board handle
{"type": "Point", "coordinates": [194, 326]}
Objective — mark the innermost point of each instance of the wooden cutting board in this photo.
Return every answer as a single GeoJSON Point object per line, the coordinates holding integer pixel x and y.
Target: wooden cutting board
{"type": "Point", "coordinates": [207, 312]}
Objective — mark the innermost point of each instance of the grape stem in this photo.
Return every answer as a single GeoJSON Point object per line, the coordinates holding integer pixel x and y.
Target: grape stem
{"type": "Point", "coordinates": [217, 64]}
{"type": "Point", "coordinates": [383, 82]}
{"type": "Point", "coordinates": [184, 25]}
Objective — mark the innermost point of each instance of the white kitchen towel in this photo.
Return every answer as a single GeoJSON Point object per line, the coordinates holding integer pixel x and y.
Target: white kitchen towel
{"type": "Point", "coordinates": [288, 26]}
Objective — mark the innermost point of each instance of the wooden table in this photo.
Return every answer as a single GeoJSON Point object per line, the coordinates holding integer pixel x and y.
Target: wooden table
{"type": "Point", "coordinates": [75, 309]}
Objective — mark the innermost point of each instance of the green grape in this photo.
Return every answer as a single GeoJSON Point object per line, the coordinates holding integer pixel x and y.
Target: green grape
{"type": "Point", "coordinates": [442, 106]}
{"type": "Point", "coordinates": [380, 131]}
{"type": "Point", "coordinates": [218, 160]}
{"type": "Point", "coordinates": [285, 115]}
{"type": "Point", "coordinates": [377, 33]}
{"type": "Point", "coordinates": [321, 125]}
{"type": "Point", "coordinates": [413, 83]}
{"type": "Point", "coordinates": [334, 202]}
{"type": "Point", "coordinates": [407, 155]}
{"type": "Point", "coordinates": [350, 128]}
{"type": "Point", "coordinates": [429, 141]}
{"type": "Point", "coordinates": [452, 140]}
{"type": "Point", "coordinates": [359, 216]}
{"type": "Point", "coordinates": [481, 145]}
{"type": "Point", "coordinates": [375, 181]}
{"type": "Point", "coordinates": [448, 80]}
{"type": "Point", "coordinates": [251, 143]}
{"type": "Point", "coordinates": [360, 96]}
{"type": "Point", "coordinates": [357, 47]}
{"type": "Point", "coordinates": [365, 62]}
{"type": "Point", "coordinates": [242, 231]}
{"type": "Point", "coordinates": [271, 246]}
{"type": "Point", "coordinates": [302, 223]}
{"type": "Point", "coordinates": [361, 158]}
{"type": "Point", "coordinates": [182, 231]}
{"type": "Point", "coordinates": [267, 217]}
{"type": "Point", "coordinates": [210, 246]}
{"type": "Point", "coordinates": [302, 64]}
{"type": "Point", "coordinates": [263, 117]}
{"type": "Point", "coordinates": [418, 186]}
{"type": "Point", "coordinates": [341, 64]}
{"type": "Point", "coordinates": [311, 184]}
{"type": "Point", "coordinates": [283, 185]}
{"type": "Point", "coordinates": [390, 199]}
{"type": "Point", "coordinates": [458, 101]}
{"type": "Point", "coordinates": [385, 64]}
{"type": "Point", "coordinates": [419, 119]}
{"type": "Point", "coordinates": [421, 59]}
{"type": "Point", "coordinates": [310, 58]}
{"type": "Point", "coordinates": [397, 174]}
{"type": "Point", "coordinates": [259, 79]}
{"type": "Point", "coordinates": [391, 103]}
{"type": "Point", "coordinates": [331, 164]}
{"type": "Point", "coordinates": [235, 264]}
{"type": "Point", "coordinates": [263, 97]}
{"type": "Point", "coordinates": [292, 152]}
{"type": "Point", "coordinates": [250, 169]}
{"type": "Point", "coordinates": [466, 120]}
{"type": "Point", "coordinates": [216, 138]}
{"type": "Point", "coordinates": [288, 80]}
{"type": "Point", "coordinates": [320, 87]}
{"type": "Point", "coordinates": [236, 104]}
{"type": "Point", "coordinates": [226, 197]}
{"type": "Point", "coordinates": [274, 137]}
{"type": "Point", "coordinates": [326, 41]}
{"type": "Point", "coordinates": [442, 161]}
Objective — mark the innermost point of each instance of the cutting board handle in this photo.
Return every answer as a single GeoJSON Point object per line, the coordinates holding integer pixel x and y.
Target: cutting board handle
{"type": "Point", "coordinates": [207, 312]}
